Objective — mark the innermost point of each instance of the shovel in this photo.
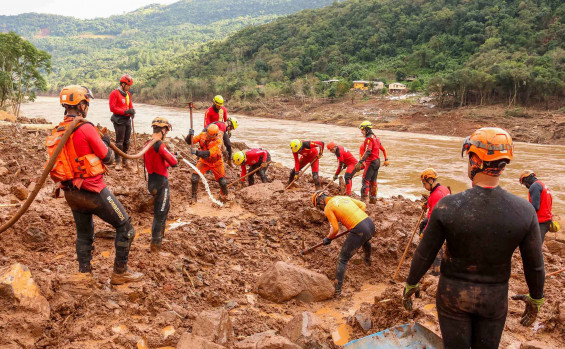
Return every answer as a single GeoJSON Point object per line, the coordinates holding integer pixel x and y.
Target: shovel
{"type": "Point", "coordinates": [321, 243]}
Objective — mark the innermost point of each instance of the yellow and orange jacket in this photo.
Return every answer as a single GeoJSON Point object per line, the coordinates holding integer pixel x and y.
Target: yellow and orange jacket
{"type": "Point", "coordinates": [345, 210]}
{"type": "Point", "coordinates": [213, 145]}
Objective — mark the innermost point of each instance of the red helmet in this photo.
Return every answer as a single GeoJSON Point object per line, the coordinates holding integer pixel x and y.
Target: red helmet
{"type": "Point", "coordinates": [127, 79]}
{"type": "Point", "coordinates": [331, 145]}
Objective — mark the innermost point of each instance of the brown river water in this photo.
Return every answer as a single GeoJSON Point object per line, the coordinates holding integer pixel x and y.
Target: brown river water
{"type": "Point", "coordinates": [409, 153]}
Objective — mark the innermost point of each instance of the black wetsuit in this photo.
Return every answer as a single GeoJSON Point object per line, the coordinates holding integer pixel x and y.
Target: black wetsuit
{"type": "Point", "coordinates": [158, 186]}
{"type": "Point", "coordinates": [482, 228]}
{"type": "Point", "coordinates": [360, 236]}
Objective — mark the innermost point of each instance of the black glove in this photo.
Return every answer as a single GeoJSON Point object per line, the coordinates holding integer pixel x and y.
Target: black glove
{"type": "Point", "coordinates": [202, 153]}
{"type": "Point", "coordinates": [532, 308]}
{"type": "Point", "coordinates": [106, 139]}
{"type": "Point", "coordinates": [130, 112]}
{"type": "Point", "coordinates": [409, 290]}
{"type": "Point", "coordinates": [358, 166]}
{"type": "Point", "coordinates": [326, 241]}
{"type": "Point", "coordinates": [335, 177]}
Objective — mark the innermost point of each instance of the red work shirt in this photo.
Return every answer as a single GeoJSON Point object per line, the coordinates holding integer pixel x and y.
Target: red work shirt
{"type": "Point", "coordinates": [436, 194]}
{"type": "Point", "coordinates": [158, 158]}
{"type": "Point", "coordinates": [309, 150]}
{"type": "Point", "coordinates": [345, 157]}
{"type": "Point", "coordinates": [86, 140]}
{"type": "Point", "coordinates": [373, 144]}
{"type": "Point", "coordinates": [211, 115]}
{"type": "Point", "coordinates": [546, 201]}
{"type": "Point", "coordinates": [252, 157]}
{"type": "Point", "coordinates": [120, 103]}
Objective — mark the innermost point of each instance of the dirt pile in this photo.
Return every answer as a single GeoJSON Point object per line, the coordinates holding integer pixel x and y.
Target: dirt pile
{"type": "Point", "coordinates": [212, 260]}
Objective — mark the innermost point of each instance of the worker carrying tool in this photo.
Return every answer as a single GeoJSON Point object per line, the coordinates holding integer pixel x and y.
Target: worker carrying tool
{"type": "Point", "coordinates": [80, 168]}
{"type": "Point", "coordinates": [225, 129]}
{"type": "Point", "coordinates": [540, 198]}
{"type": "Point", "coordinates": [482, 227]}
{"type": "Point", "coordinates": [210, 158]}
{"type": "Point", "coordinates": [350, 213]}
{"type": "Point", "coordinates": [308, 151]}
{"type": "Point", "coordinates": [122, 113]}
{"type": "Point", "coordinates": [254, 158]}
{"type": "Point", "coordinates": [217, 112]}
{"type": "Point", "coordinates": [437, 191]}
{"type": "Point", "coordinates": [344, 160]}
{"type": "Point", "coordinates": [157, 159]}
{"type": "Point", "coordinates": [370, 161]}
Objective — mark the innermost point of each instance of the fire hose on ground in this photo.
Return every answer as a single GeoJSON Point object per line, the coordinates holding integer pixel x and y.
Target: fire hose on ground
{"type": "Point", "coordinates": [206, 186]}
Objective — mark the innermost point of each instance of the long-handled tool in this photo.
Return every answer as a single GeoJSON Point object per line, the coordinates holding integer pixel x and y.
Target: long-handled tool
{"type": "Point", "coordinates": [263, 165]}
{"type": "Point", "coordinates": [407, 247]}
{"type": "Point", "coordinates": [134, 143]}
{"type": "Point", "coordinates": [555, 273]}
{"type": "Point", "coordinates": [333, 180]}
{"type": "Point", "coordinates": [321, 243]}
{"type": "Point", "coordinates": [190, 106]}
{"type": "Point", "coordinates": [10, 205]}
{"type": "Point", "coordinates": [301, 173]}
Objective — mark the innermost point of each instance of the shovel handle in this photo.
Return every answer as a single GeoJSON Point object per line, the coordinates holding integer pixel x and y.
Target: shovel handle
{"type": "Point", "coordinates": [263, 165]}
{"type": "Point", "coordinates": [321, 243]}
{"type": "Point", "coordinates": [301, 173]}
{"type": "Point", "coordinates": [408, 246]}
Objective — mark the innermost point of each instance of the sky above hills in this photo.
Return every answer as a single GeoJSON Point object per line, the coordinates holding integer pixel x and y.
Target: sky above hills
{"type": "Point", "coordinates": [79, 9]}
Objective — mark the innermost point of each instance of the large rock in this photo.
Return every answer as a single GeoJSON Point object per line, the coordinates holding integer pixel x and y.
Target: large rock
{"type": "Point", "coordinates": [17, 286]}
{"type": "Point", "coordinates": [306, 330]}
{"type": "Point", "coordinates": [266, 340]}
{"type": "Point", "coordinates": [20, 191]}
{"type": "Point", "coordinates": [214, 325]}
{"type": "Point", "coordinates": [286, 281]}
{"type": "Point", "coordinates": [190, 341]}
{"type": "Point", "coordinates": [314, 215]}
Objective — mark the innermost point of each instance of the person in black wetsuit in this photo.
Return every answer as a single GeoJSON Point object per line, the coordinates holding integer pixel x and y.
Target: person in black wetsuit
{"type": "Point", "coordinates": [482, 227]}
{"type": "Point", "coordinates": [541, 200]}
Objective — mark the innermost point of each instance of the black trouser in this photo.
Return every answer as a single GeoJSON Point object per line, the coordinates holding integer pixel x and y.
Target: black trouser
{"type": "Point", "coordinates": [543, 229]}
{"type": "Point", "coordinates": [359, 236]}
{"type": "Point", "coordinates": [105, 205]}
{"type": "Point", "coordinates": [159, 187]}
{"type": "Point", "coordinates": [123, 134]}
{"type": "Point", "coordinates": [370, 178]}
{"type": "Point", "coordinates": [262, 172]}
{"type": "Point", "coordinates": [227, 144]}
{"type": "Point", "coordinates": [471, 315]}
{"type": "Point", "coordinates": [437, 261]}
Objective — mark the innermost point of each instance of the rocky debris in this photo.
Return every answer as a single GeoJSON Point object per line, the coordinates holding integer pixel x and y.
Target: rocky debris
{"type": "Point", "coordinates": [555, 247]}
{"type": "Point", "coordinates": [215, 326]}
{"type": "Point", "coordinates": [561, 316]}
{"type": "Point", "coordinates": [3, 171]}
{"type": "Point", "coordinates": [306, 330]}
{"type": "Point", "coordinates": [17, 285]}
{"type": "Point", "coordinates": [535, 345]}
{"type": "Point", "coordinates": [261, 191]}
{"type": "Point", "coordinates": [285, 281]}
{"type": "Point", "coordinates": [34, 235]}
{"type": "Point", "coordinates": [266, 340]}
{"type": "Point", "coordinates": [190, 341]}
{"type": "Point", "coordinates": [314, 215]}
{"type": "Point", "coordinates": [361, 319]}
{"type": "Point", "coordinates": [20, 191]}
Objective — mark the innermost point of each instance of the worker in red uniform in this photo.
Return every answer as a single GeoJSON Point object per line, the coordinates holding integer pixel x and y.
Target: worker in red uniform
{"type": "Point", "coordinates": [87, 194]}
{"type": "Point", "coordinates": [344, 160]}
{"type": "Point", "coordinates": [157, 159]}
{"type": "Point", "coordinates": [225, 129]}
{"type": "Point", "coordinates": [122, 113]}
{"type": "Point", "coordinates": [370, 160]}
{"type": "Point", "coordinates": [350, 213]}
{"type": "Point", "coordinates": [217, 112]}
{"type": "Point", "coordinates": [255, 158]}
{"type": "Point", "coordinates": [308, 151]}
{"type": "Point", "coordinates": [540, 197]}
{"type": "Point", "coordinates": [437, 192]}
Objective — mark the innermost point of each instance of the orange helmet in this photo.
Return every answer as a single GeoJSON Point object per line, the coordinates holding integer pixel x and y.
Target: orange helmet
{"type": "Point", "coordinates": [127, 79]}
{"type": "Point", "coordinates": [331, 145]}
{"type": "Point", "coordinates": [316, 196]}
{"type": "Point", "coordinates": [212, 130]}
{"type": "Point", "coordinates": [525, 174]}
{"type": "Point", "coordinates": [161, 122]}
{"type": "Point", "coordinates": [489, 144]}
{"type": "Point", "coordinates": [74, 94]}
{"type": "Point", "coordinates": [428, 173]}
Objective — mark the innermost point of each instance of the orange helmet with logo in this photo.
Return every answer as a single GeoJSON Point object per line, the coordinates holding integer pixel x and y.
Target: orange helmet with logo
{"type": "Point", "coordinates": [428, 173]}
{"type": "Point", "coordinates": [525, 174]}
{"type": "Point", "coordinates": [161, 122]}
{"type": "Point", "coordinates": [212, 130]}
{"type": "Point", "coordinates": [489, 144]}
{"type": "Point", "coordinates": [331, 145]}
{"type": "Point", "coordinates": [74, 94]}
{"type": "Point", "coordinates": [127, 79]}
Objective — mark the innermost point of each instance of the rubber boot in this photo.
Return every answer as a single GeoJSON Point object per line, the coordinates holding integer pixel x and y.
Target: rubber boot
{"type": "Point", "coordinates": [316, 180]}
{"type": "Point", "coordinates": [337, 289]}
{"type": "Point", "coordinates": [118, 166]}
{"type": "Point", "coordinates": [125, 276]}
{"type": "Point", "coordinates": [373, 193]}
{"type": "Point", "coordinates": [194, 182]}
{"type": "Point", "coordinates": [372, 199]}
{"type": "Point", "coordinates": [291, 176]}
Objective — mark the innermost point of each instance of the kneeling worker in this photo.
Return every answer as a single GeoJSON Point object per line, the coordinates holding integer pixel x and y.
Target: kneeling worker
{"type": "Point", "coordinates": [351, 213]}
{"type": "Point", "coordinates": [254, 158]}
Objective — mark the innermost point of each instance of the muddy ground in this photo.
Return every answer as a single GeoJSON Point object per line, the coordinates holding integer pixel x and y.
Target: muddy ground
{"type": "Point", "coordinates": [212, 258]}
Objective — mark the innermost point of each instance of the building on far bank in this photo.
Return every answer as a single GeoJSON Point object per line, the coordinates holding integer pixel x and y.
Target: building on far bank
{"type": "Point", "coordinates": [397, 87]}
{"type": "Point", "coordinates": [364, 85]}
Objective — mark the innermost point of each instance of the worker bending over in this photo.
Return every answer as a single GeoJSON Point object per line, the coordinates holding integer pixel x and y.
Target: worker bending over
{"type": "Point", "coordinates": [344, 160]}
{"type": "Point", "coordinates": [308, 152]}
{"type": "Point", "coordinates": [254, 158]}
{"type": "Point", "coordinates": [540, 198]}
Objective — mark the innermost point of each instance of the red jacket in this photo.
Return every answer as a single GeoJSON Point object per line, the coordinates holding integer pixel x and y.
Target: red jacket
{"type": "Point", "coordinates": [309, 150]}
{"type": "Point", "coordinates": [86, 140]}
{"type": "Point", "coordinates": [120, 103]}
{"type": "Point", "coordinates": [546, 201]}
{"type": "Point", "coordinates": [158, 158]}
{"type": "Point", "coordinates": [436, 194]}
{"type": "Point", "coordinates": [221, 125]}
{"type": "Point", "coordinates": [252, 157]}
{"type": "Point", "coordinates": [373, 144]}
{"type": "Point", "coordinates": [344, 157]}
{"type": "Point", "coordinates": [211, 115]}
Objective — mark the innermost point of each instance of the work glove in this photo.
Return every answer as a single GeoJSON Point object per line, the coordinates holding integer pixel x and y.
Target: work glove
{"type": "Point", "coordinates": [106, 139]}
{"type": "Point", "coordinates": [320, 155]}
{"type": "Point", "coordinates": [202, 153]}
{"type": "Point", "coordinates": [130, 112]}
{"type": "Point", "coordinates": [335, 177]}
{"type": "Point", "coordinates": [532, 308]}
{"type": "Point", "coordinates": [410, 290]}
{"type": "Point", "coordinates": [188, 138]}
{"type": "Point", "coordinates": [358, 166]}
{"type": "Point", "coordinates": [386, 162]}
{"type": "Point", "coordinates": [326, 241]}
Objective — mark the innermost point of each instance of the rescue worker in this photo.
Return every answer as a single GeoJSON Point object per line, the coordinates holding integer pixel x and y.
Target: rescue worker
{"type": "Point", "coordinates": [370, 161]}
{"type": "Point", "coordinates": [87, 194]}
{"type": "Point", "coordinates": [122, 113]}
{"type": "Point", "coordinates": [482, 227]}
{"type": "Point", "coordinates": [226, 128]}
{"type": "Point", "coordinates": [210, 158]}
{"type": "Point", "coordinates": [308, 151]}
{"type": "Point", "coordinates": [437, 191]}
{"type": "Point", "coordinates": [540, 198]}
{"type": "Point", "coordinates": [350, 213]}
{"type": "Point", "coordinates": [254, 158]}
{"type": "Point", "coordinates": [157, 159]}
{"type": "Point", "coordinates": [217, 112]}
{"type": "Point", "coordinates": [344, 160]}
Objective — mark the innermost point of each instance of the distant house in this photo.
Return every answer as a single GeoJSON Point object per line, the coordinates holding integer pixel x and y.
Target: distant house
{"type": "Point", "coordinates": [397, 87]}
{"type": "Point", "coordinates": [364, 85]}
{"type": "Point", "coordinates": [411, 78]}
{"type": "Point", "coordinates": [329, 82]}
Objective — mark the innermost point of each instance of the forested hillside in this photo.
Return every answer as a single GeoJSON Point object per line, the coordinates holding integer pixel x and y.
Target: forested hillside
{"type": "Point", "coordinates": [472, 50]}
{"type": "Point", "coordinates": [97, 51]}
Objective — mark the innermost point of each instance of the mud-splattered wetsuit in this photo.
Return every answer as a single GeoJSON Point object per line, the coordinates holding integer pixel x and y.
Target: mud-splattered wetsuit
{"type": "Point", "coordinates": [482, 228]}
{"type": "Point", "coordinates": [308, 152]}
{"type": "Point", "coordinates": [369, 155]}
{"type": "Point", "coordinates": [351, 213]}
{"type": "Point", "coordinates": [255, 158]}
{"type": "Point", "coordinates": [157, 159]}
{"type": "Point", "coordinates": [541, 199]}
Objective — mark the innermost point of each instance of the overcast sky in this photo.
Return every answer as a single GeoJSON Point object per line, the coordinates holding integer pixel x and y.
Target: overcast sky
{"type": "Point", "coordinates": [80, 9]}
